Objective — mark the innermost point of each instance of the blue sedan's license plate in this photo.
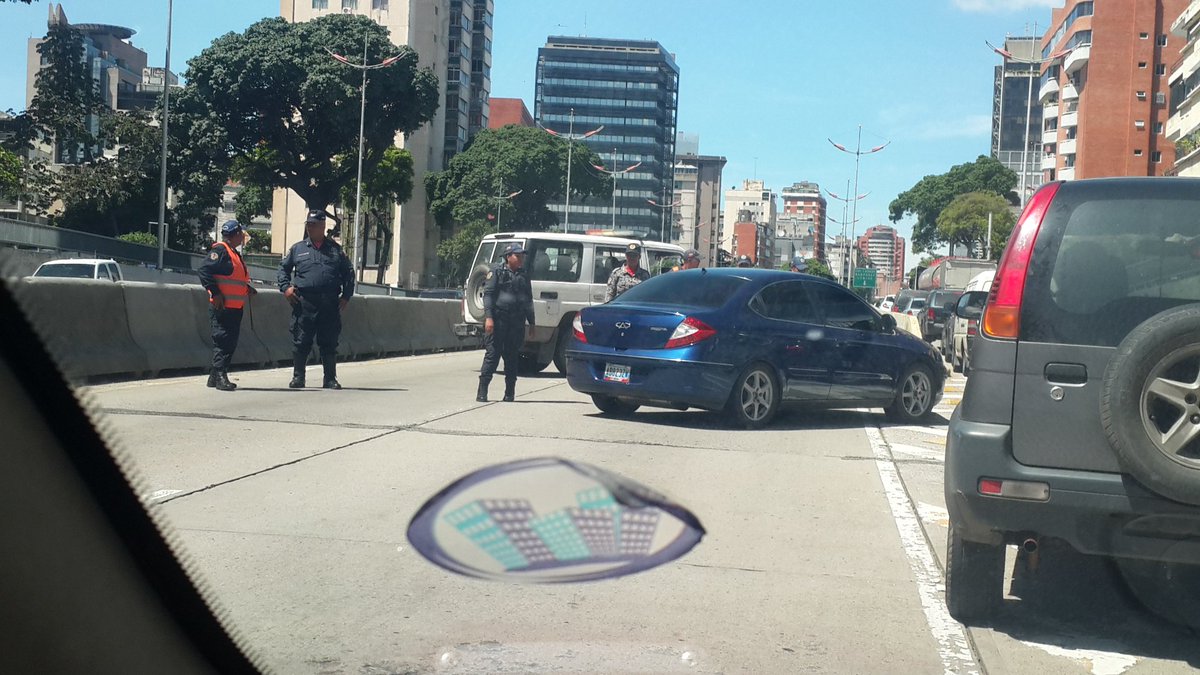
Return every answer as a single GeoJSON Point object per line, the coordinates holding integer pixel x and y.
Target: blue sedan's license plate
{"type": "Point", "coordinates": [616, 373]}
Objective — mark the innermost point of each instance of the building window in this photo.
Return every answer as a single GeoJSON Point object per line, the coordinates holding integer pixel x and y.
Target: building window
{"type": "Point", "coordinates": [320, 4]}
{"type": "Point", "coordinates": [349, 4]}
{"type": "Point", "coordinates": [1160, 69]}
{"type": "Point", "coordinates": [1144, 36]}
{"type": "Point", "coordinates": [1141, 96]}
{"type": "Point", "coordinates": [379, 4]}
{"type": "Point", "coordinates": [1142, 65]}
{"type": "Point", "coordinates": [1162, 39]}
{"type": "Point", "coordinates": [1156, 157]}
{"type": "Point", "coordinates": [1160, 98]}
{"type": "Point", "coordinates": [1137, 153]}
{"type": "Point", "coordinates": [1139, 124]}
{"type": "Point", "coordinates": [1158, 127]}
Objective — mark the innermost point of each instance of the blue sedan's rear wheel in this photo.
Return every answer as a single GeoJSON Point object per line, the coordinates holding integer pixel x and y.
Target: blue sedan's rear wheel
{"type": "Point", "coordinates": [755, 398]}
{"type": "Point", "coordinates": [610, 405]}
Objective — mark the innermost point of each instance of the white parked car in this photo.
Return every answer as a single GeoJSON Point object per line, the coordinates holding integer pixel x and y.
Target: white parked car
{"type": "Point", "coordinates": [81, 268]}
{"type": "Point", "coordinates": [956, 330]}
{"type": "Point", "coordinates": [568, 272]}
{"type": "Point", "coordinates": [885, 305]}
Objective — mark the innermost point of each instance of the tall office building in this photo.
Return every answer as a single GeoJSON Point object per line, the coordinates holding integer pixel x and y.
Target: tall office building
{"type": "Point", "coordinates": [698, 192]}
{"type": "Point", "coordinates": [883, 246]}
{"type": "Point", "coordinates": [1183, 126]}
{"type": "Point", "coordinates": [452, 38]}
{"type": "Point", "coordinates": [802, 223]}
{"type": "Point", "coordinates": [1016, 113]}
{"type": "Point", "coordinates": [1104, 88]}
{"type": "Point", "coordinates": [754, 197]}
{"type": "Point", "coordinates": [118, 69]}
{"type": "Point", "coordinates": [631, 88]}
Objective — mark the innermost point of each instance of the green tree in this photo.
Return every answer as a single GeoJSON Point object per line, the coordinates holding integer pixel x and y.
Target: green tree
{"type": "Point", "coordinates": [815, 267]}
{"type": "Point", "coordinates": [117, 192]}
{"type": "Point", "coordinates": [270, 107]}
{"type": "Point", "coordinates": [930, 195]}
{"type": "Point", "coordinates": [503, 161]}
{"type": "Point", "coordinates": [384, 188]}
{"type": "Point", "coordinates": [965, 222]}
{"type": "Point", "coordinates": [458, 251]}
{"type": "Point", "coordinates": [66, 100]}
{"type": "Point", "coordinates": [259, 242]}
{"type": "Point", "coordinates": [252, 202]}
{"type": "Point", "coordinates": [11, 172]}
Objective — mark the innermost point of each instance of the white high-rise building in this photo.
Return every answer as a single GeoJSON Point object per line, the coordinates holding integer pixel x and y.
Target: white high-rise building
{"type": "Point", "coordinates": [435, 29]}
{"type": "Point", "coordinates": [754, 197]}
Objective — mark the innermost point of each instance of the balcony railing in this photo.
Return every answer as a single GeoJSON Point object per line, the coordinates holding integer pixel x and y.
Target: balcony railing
{"type": "Point", "coordinates": [1048, 89]}
{"type": "Point", "coordinates": [1077, 59]}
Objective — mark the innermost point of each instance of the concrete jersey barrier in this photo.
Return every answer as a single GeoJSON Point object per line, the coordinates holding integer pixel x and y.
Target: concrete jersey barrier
{"type": "Point", "coordinates": [101, 328]}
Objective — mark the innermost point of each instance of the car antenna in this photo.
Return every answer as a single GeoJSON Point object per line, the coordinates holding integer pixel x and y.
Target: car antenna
{"type": "Point", "coordinates": [703, 270]}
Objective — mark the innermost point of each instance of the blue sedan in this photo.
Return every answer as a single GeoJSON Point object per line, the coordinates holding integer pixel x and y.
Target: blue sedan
{"type": "Point", "coordinates": [748, 341]}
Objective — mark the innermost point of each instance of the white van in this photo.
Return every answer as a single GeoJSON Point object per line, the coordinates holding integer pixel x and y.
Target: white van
{"type": "Point", "coordinates": [568, 272]}
{"type": "Point", "coordinates": [955, 331]}
{"type": "Point", "coordinates": [81, 268]}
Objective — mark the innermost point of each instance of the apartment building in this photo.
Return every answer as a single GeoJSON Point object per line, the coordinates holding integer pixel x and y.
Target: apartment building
{"type": "Point", "coordinates": [1183, 125]}
{"type": "Point", "coordinates": [1104, 88]}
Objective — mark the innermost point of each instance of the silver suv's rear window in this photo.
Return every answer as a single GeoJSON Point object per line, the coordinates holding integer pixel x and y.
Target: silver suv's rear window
{"type": "Point", "coordinates": [1110, 255]}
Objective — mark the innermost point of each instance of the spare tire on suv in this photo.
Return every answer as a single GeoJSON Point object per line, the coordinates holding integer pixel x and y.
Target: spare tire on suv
{"type": "Point", "coordinates": [1150, 403]}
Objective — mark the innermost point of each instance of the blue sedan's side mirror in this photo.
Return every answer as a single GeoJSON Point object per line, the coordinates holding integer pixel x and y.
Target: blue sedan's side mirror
{"type": "Point", "coordinates": [889, 323]}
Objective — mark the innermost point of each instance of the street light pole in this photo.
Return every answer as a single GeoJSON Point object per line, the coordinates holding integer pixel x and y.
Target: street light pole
{"type": "Point", "coordinates": [571, 138]}
{"type": "Point", "coordinates": [858, 153]}
{"type": "Point", "coordinates": [845, 207]}
{"type": "Point", "coordinates": [362, 120]}
{"type": "Point", "coordinates": [500, 202]}
{"type": "Point", "coordinates": [663, 208]}
{"type": "Point", "coordinates": [162, 184]}
{"type": "Point", "coordinates": [614, 173]}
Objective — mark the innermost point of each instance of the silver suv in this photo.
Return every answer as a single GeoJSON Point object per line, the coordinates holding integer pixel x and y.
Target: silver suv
{"type": "Point", "coordinates": [568, 272]}
{"type": "Point", "coordinates": [1081, 419]}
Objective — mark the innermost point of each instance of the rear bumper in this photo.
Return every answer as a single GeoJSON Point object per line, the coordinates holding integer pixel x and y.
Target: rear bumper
{"type": "Point", "coordinates": [1097, 513]}
{"type": "Point", "coordinates": [653, 381]}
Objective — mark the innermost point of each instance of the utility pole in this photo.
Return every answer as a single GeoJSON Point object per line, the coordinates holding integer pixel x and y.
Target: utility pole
{"type": "Point", "coordinates": [858, 153]}
{"type": "Point", "coordinates": [571, 138]}
{"type": "Point", "coordinates": [162, 185]}
{"type": "Point", "coordinates": [614, 172]}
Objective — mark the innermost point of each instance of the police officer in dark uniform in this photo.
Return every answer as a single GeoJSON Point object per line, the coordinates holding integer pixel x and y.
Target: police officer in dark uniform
{"type": "Point", "coordinates": [224, 276]}
{"type": "Point", "coordinates": [507, 306]}
{"type": "Point", "coordinates": [316, 277]}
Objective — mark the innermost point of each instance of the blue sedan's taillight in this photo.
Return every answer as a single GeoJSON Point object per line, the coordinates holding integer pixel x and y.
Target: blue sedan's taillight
{"type": "Point", "coordinates": [577, 328]}
{"type": "Point", "coordinates": [690, 332]}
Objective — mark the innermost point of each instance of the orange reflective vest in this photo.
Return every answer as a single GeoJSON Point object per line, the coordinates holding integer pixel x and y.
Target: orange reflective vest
{"type": "Point", "coordinates": [234, 287]}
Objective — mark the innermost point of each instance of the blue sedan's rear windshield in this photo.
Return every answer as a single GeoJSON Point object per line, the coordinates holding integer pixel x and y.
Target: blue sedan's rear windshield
{"type": "Point", "coordinates": [679, 289]}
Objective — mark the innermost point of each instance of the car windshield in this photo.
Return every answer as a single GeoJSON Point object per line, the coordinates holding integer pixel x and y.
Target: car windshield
{"type": "Point", "coordinates": [72, 270]}
{"type": "Point", "coordinates": [375, 443]}
{"type": "Point", "coordinates": [693, 289]}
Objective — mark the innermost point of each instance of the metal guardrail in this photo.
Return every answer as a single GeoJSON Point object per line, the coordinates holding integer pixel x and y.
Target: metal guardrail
{"type": "Point", "coordinates": [33, 235]}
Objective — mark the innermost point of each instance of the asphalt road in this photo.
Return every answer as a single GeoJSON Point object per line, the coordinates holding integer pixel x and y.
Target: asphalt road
{"type": "Point", "coordinates": [824, 552]}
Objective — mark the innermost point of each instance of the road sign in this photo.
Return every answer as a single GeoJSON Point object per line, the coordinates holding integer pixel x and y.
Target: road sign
{"type": "Point", "coordinates": [864, 277]}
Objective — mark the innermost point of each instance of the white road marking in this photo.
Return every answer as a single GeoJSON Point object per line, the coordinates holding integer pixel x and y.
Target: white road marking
{"type": "Point", "coordinates": [918, 452]}
{"type": "Point", "coordinates": [932, 514]}
{"type": "Point", "coordinates": [953, 646]}
{"type": "Point", "coordinates": [1097, 662]}
{"type": "Point", "coordinates": [936, 431]}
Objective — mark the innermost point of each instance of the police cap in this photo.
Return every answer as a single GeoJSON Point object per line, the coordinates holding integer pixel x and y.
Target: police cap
{"type": "Point", "coordinates": [315, 216]}
{"type": "Point", "coordinates": [230, 228]}
{"type": "Point", "coordinates": [514, 249]}
{"type": "Point", "coordinates": [691, 254]}
{"type": "Point", "coordinates": [633, 249]}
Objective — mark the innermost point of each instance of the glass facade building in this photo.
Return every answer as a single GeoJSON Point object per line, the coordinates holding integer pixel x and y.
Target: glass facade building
{"type": "Point", "coordinates": [631, 88]}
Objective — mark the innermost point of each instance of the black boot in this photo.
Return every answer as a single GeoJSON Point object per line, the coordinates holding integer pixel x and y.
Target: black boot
{"type": "Point", "coordinates": [481, 394]}
{"type": "Point", "coordinates": [329, 363]}
{"type": "Point", "coordinates": [212, 378]}
{"type": "Point", "coordinates": [510, 391]}
{"type": "Point", "coordinates": [223, 383]}
{"type": "Point", "coordinates": [299, 360]}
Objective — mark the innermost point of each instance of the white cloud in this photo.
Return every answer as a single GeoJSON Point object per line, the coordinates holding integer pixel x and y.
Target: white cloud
{"type": "Point", "coordinates": [995, 6]}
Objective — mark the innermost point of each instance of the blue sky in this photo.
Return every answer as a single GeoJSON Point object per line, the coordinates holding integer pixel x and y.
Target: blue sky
{"type": "Point", "coordinates": [763, 83]}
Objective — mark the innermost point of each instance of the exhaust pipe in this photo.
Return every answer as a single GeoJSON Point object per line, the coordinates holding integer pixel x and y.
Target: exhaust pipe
{"type": "Point", "coordinates": [1030, 545]}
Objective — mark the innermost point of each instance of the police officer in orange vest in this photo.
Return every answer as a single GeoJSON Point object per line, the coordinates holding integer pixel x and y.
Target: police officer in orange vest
{"type": "Point", "coordinates": [224, 276]}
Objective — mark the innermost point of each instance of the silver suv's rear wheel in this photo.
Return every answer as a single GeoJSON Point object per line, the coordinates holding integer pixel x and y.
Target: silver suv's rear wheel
{"type": "Point", "coordinates": [974, 578]}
